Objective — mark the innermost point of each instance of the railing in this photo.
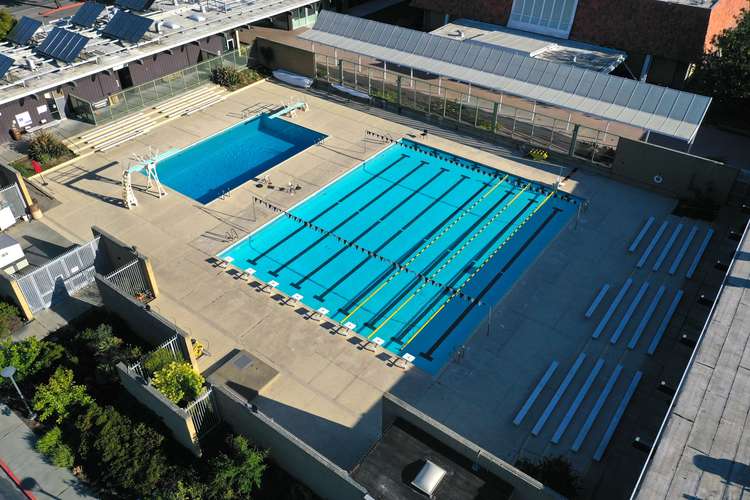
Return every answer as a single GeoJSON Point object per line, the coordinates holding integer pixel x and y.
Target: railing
{"type": "Point", "coordinates": [142, 96]}
{"type": "Point", "coordinates": [204, 413]}
{"type": "Point", "coordinates": [492, 112]}
{"type": "Point", "coordinates": [172, 346]}
{"type": "Point", "coordinates": [12, 196]}
{"type": "Point", "coordinates": [131, 280]}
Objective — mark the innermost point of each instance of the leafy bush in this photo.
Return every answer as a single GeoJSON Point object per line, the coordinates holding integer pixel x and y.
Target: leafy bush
{"type": "Point", "coordinates": [58, 397]}
{"type": "Point", "coordinates": [45, 147]}
{"type": "Point", "coordinates": [22, 355]}
{"type": "Point", "coordinates": [7, 21]}
{"type": "Point", "coordinates": [555, 472]}
{"type": "Point", "coordinates": [107, 350]}
{"type": "Point", "coordinates": [9, 319]}
{"type": "Point", "coordinates": [233, 78]}
{"type": "Point", "coordinates": [122, 455]}
{"type": "Point", "coordinates": [157, 360]}
{"type": "Point", "coordinates": [178, 382]}
{"type": "Point", "coordinates": [238, 474]}
{"type": "Point", "coordinates": [52, 446]}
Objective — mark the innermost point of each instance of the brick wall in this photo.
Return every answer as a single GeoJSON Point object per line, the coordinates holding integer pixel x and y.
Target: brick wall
{"type": "Point", "coordinates": [723, 16]}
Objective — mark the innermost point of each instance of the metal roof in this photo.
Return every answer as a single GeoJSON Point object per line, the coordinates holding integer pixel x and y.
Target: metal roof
{"type": "Point", "coordinates": [650, 107]}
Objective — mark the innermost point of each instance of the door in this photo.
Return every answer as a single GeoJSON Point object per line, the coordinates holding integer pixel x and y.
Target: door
{"type": "Point", "coordinates": [126, 80]}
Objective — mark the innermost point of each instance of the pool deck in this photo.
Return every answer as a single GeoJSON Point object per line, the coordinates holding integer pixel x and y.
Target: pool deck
{"type": "Point", "coordinates": [328, 391]}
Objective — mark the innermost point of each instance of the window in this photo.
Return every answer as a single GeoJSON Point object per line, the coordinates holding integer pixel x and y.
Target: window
{"type": "Point", "coordinates": [548, 17]}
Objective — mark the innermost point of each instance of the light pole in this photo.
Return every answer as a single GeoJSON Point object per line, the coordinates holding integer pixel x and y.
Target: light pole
{"type": "Point", "coordinates": [8, 372]}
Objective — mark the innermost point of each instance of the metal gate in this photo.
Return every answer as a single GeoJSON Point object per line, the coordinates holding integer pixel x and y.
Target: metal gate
{"type": "Point", "coordinates": [204, 413]}
{"type": "Point", "coordinates": [60, 277]}
{"type": "Point", "coordinates": [13, 197]}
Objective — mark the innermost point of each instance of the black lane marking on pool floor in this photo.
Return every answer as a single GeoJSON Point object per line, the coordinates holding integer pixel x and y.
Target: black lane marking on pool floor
{"type": "Point", "coordinates": [428, 354]}
{"type": "Point", "coordinates": [396, 234]}
{"type": "Point", "coordinates": [346, 220]}
{"type": "Point", "coordinates": [460, 273]}
{"type": "Point", "coordinates": [414, 248]}
{"type": "Point", "coordinates": [369, 228]}
{"type": "Point", "coordinates": [325, 211]}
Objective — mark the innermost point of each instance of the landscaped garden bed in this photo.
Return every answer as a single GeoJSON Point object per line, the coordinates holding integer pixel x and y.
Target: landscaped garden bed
{"type": "Point", "coordinates": [46, 149]}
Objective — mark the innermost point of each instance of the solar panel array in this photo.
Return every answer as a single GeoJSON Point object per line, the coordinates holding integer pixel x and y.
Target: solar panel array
{"type": "Point", "coordinates": [87, 14]}
{"type": "Point", "coordinates": [5, 64]}
{"type": "Point", "coordinates": [128, 27]}
{"type": "Point", "coordinates": [63, 45]}
{"type": "Point", "coordinates": [23, 30]}
{"type": "Point", "coordinates": [650, 107]}
{"type": "Point", "coordinates": [140, 5]}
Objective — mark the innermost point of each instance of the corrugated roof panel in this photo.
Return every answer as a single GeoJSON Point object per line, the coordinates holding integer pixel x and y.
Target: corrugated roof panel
{"type": "Point", "coordinates": [681, 106]}
{"type": "Point", "coordinates": [667, 102]}
{"type": "Point", "coordinates": [506, 57]}
{"type": "Point", "coordinates": [697, 109]}
{"type": "Point", "coordinates": [611, 89]}
{"type": "Point", "coordinates": [526, 66]}
{"type": "Point", "coordinates": [561, 77]}
{"type": "Point", "coordinates": [491, 62]}
{"type": "Point", "coordinates": [626, 91]}
{"type": "Point", "coordinates": [587, 80]}
{"type": "Point", "coordinates": [514, 66]}
{"type": "Point", "coordinates": [473, 58]}
{"type": "Point", "coordinates": [573, 80]}
{"type": "Point", "coordinates": [537, 72]}
{"type": "Point", "coordinates": [652, 99]}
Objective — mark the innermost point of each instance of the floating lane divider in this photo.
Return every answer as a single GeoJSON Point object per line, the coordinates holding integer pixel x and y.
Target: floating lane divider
{"type": "Point", "coordinates": [599, 296]}
{"type": "Point", "coordinates": [424, 248]}
{"type": "Point", "coordinates": [667, 248]}
{"type": "Point", "coordinates": [450, 259]}
{"type": "Point", "coordinates": [535, 393]}
{"type": "Point", "coordinates": [664, 322]}
{"type": "Point", "coordinates": [614, 422]}
{"type": "Point", "coordinates": [618, 298]}
{"type": "Point", "coordinates": [699, 253]}
{"type": "Point", "coordinates": [646, 317]}
{"type": "Point", "coordinates": [650, 247]}
{"type": "Point", "coordinates": [581, 437]}
{"type": "Point", "coordinates": [683, 250]}
{"type": "Point", "coordinates": [479, 268]}
{"type": "Point", "coordinates": [558, 394]}
{"type": "Point", "coordinates": [637, 241]}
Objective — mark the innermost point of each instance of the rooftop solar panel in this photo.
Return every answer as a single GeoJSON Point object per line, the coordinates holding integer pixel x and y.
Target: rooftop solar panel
{"type": "Point", "coordinates": [86, 15]}
{"type": "Point", "coordinates": [5, 64]}
{"type": "Point", "coordinates": [23, 30]}
{"type": "Point", "coordinates": [63, 45]}
{"type": "Point", "coordinates": [127, 27]}
{"type": "Point", "coordinates": [140, 5]}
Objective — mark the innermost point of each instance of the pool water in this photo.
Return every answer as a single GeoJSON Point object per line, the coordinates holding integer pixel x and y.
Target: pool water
{"type": "Point", "coordinates": [413, 246]}
{"type": "Point", "coordinates": [220, 163]}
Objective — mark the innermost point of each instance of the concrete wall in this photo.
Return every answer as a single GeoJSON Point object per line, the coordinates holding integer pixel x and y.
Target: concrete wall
{"type": "Point", "coordinates": [323, 477]}
{"type": "Point", "coordinates": [524, 486]}
{"type": "Point", "coordinates": [10, 290]}
{"type": "Point", "coordinates": [275, 55]}
{"type": "Point", "coordinates": [175, 418]}
{"type": "Point", "coordinates": [117, 253]}
{"type": "Point", "coordinates": [9, 176]}
{"type": "Point", "coordinates": [684, 176]}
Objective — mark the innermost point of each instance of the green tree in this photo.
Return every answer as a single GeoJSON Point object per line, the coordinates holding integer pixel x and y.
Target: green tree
{"type": "Point", "coordinates": [157, 360]}
{"type": "Point", "coordinates": [107, 350]}
{"type": "Point", "coordinates": [58, 397]}
{"type": "Point", "coordinates": [22, 355]}
{"type": "Point", "coordinates": [236, 475]}
{"type": "Point", "coordinates": [178, 381]}
{"type": "Point", "coordinates": [724, 71]}
{"type": "Point", "coordinates": [7, 21]}
{"type": "Point", "coordinates": [52, 446]}
{"type": "Point", "coordinates": [8, 319]}
{"type": "Point", "coordinates": [120, 454]}
{"type": "Point", "coordinates": [555, 472]}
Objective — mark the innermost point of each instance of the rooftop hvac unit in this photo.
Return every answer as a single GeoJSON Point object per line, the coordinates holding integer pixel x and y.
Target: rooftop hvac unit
{"type": "Point", "coordinates": [30, 64]}
{"type": "Point", "coordinates": [429, 478]}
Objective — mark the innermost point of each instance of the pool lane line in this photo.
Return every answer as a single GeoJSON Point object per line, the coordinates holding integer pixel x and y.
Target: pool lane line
{"type": "Point", "coordinates": [348, 219]}
{"type": "Point", "coordinates": [426, 246]}
{"type": "Point", "coordinates": [452, 257]}
{"type": "Point", "coordinates": [363, 233]}
{"type": "Point", "coordinates": [453, 283]}
{"type": "Point", "coordinates": [325, 211]}
{"type": "Point", "coordinates": [476, 271]}
{"type": "Point", "coordinates": [414, 247]}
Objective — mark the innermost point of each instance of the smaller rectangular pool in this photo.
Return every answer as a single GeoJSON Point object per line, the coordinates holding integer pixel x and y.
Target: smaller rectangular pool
{"type": "Point", "coordinates": [220, 163]}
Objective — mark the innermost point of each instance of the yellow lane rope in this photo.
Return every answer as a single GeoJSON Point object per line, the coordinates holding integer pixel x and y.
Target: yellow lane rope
{"type": "Point", "coordinates": [450, 259]}
{"type": "Point", "coordinates": [476, 271]}
{"type": "Point", "coordinates": [424, 248]}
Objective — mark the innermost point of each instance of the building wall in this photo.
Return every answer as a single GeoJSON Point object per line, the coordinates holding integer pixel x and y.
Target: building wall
{"type": "Point", "coordinates": [723, 16]}
{"type": "Point", "coordinates": [164, 63]}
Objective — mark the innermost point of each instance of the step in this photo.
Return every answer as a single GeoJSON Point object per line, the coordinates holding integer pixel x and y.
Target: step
{"type": "Point", "coordinates": [207, 104]}
{"type": "Point", "coordinates": [204, 91]}
{"type": "Point", "coordinates": [178, 97]}
{"type": "Point", "coordinates": [197, 99]}
{"type": "Point", "coordinates": [119, 140]}
{"type": "Point", "coordinates": [123, 130]}
{"type": "Point", "coordinates": [87, 137]}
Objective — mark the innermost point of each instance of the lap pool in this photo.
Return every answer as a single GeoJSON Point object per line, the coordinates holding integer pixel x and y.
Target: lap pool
{"type": "Point", "coordinates": [220, 163]}
{"type": "Point", "coordinates": [413, 246]}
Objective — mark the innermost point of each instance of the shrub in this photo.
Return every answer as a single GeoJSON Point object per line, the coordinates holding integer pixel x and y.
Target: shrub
{"type": "Point", "coordinates": [9, 319]}
{"type": "Point", "coordinates": [7, 21]}
{"type": "Point", "coordinates": [233, 78]}
{"type": "Point", "coordinates": [22, 355]}
{"type": "Point", "coordinates": [157, 360]}
{"type": "Point", "coordinates": [107, 350]}
{"type": "Point", "coordinates": [178, 382]}
{"type": "Point", "coordinates": [121, 454]}
{"type": "Point", "coordinates": [238, 474]}
{"type": "Point", "coordinates": [52, 446]}
{"type": "Point", "coordinates": [555, 472]}
{"type": "Point", "coordinates": [45, 146]}
{"type": "Point", "coordinates": [59, 396]}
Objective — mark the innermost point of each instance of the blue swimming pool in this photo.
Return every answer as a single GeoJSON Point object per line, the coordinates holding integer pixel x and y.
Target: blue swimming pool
{"type": "Point", "coordinates": [413, 246]}
{"type": "Point", "coordinates": [220, 163]}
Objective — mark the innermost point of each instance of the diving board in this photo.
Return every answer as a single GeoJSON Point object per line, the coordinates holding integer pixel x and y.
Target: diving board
{"type": "Point", "coordinates": [667, 247]}
{"type": "Point", "coordinates": [581, 437]}
{"type": "Point", "coordinates": [646, 317]}
{"type": "Point", "coordinates": [637, 241]}
{"type": "Point", "coordinates": [665, 322]}
{"type": "Point", "coordinates": [603, 323]}
{"type": "Point", "coordinates": [614, 422]}
{"type": "Point", "coordinates": [699, 253]}
{"type": "Point", "coordinates": [629, 313]}
{"type": "Point", "coordinates": [683, 250]}
{"type": "Point", "coordinates": [652, 244]}
{"type": "Point", "coordinates": [577, 401]}
{"type": "Point", "coordinates": [558, 394]}
{"type": "Point", "coordinates": [597, 300]}
{"type": "Point", "coordinates": [535, 393]}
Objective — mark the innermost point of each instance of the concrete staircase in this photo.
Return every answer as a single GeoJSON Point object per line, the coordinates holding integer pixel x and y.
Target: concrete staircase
{"type": "Point", "coordinates": [111, 135]}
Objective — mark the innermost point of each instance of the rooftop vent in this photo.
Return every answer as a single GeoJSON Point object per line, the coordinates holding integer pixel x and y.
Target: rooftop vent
{"type": "Point", "coordinates": [429, 478]}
